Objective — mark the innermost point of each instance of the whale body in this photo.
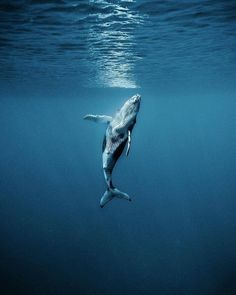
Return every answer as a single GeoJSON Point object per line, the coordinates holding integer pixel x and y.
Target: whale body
{"type": "Point", "coordinates": [118, 134]}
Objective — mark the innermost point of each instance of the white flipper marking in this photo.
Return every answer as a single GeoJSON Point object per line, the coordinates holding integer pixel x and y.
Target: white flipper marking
{"type": "Point", "coordinates": [129, 142]}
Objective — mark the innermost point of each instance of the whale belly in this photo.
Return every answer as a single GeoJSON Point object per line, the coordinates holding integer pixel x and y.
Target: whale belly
{"type": "Point", "coordinates": [112, 149]}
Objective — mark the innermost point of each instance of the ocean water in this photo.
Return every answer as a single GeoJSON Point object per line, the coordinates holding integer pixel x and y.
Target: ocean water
{"type": "Point", "coordinates": [60, 60]}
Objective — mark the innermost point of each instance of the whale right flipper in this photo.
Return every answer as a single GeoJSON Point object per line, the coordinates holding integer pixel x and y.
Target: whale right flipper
{"type": "Point", "coordinates": [129, 142]}
{"type": "Point", "coordinates": [98, 118]}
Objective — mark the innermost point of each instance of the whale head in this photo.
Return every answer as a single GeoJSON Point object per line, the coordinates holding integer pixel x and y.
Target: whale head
{"type": "Point", "coordinates": [133, 103]}
{"type": "Point", "coordinates": [128, 113]}
{"type": "Point", "coordinates": [131, 106]}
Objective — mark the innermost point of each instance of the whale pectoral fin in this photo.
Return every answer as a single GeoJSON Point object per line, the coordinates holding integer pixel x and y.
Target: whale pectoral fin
{"type": "Point", "coordinates": [98, 118]}
{"type": "Point", "coordinates": [129, 142]}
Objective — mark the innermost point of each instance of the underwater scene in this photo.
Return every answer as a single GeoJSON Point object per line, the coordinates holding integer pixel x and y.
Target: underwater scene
{"type": "Point", "coordinates": [118, 147]}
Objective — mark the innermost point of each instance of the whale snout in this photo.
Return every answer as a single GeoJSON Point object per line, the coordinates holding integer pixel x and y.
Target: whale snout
{"type": "Point", "coordinates": [136, 98]}
{"type": "Point", "coordinates": [132, 105]}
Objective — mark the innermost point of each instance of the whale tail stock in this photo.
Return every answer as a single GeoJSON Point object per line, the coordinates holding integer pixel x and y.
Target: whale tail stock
{"type": "Point", "coordinates": [111, 193]}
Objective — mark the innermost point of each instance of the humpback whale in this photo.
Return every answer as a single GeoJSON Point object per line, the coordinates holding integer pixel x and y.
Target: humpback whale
{"type": "Point", "coordinates": [118, 134]}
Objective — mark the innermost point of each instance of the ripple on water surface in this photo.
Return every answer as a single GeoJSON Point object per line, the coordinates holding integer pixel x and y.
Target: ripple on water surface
{"type": "Point", "coordinates": [116, 43]}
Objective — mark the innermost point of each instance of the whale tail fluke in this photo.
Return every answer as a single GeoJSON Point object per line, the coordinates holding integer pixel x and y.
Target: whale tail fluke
{"type": "Point", "coordinates": [111, 193]}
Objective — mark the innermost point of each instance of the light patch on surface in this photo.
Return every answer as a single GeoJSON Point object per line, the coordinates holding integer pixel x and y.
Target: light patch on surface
{"type": "Point", "coordinates": [113, 59]}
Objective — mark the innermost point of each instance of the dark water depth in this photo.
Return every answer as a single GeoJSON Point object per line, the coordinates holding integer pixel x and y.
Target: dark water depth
{"type": "Point", "coordinates": [176, 237]}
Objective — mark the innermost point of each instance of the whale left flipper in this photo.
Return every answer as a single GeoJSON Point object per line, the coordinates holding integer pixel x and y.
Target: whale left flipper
{"type": "Point", "coordinates": [98, 118]}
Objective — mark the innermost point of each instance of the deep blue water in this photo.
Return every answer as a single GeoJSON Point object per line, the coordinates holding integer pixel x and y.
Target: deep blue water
{"type": "Point", "coordinates": [60, 60]}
